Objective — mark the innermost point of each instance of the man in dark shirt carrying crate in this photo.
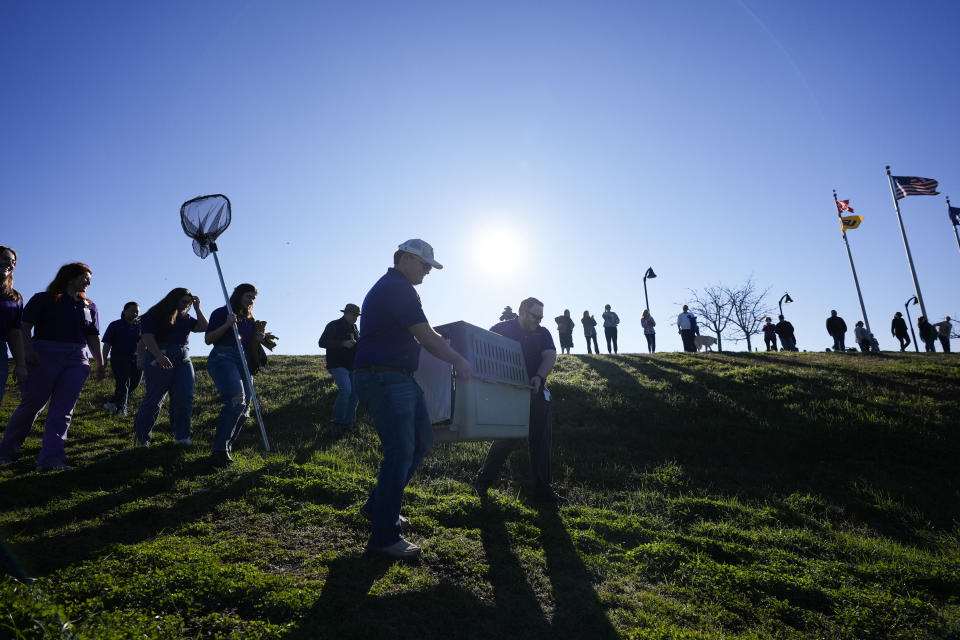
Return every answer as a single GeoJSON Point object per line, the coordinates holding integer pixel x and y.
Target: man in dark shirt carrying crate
{"type": "Point", "coordinates": [539, 354]}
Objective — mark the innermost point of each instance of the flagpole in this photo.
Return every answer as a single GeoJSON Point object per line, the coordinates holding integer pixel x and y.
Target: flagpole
{"type": "Point", "coordinates": [957, 235]}
{"type": "Point", "coordinates": [856, 281]}
{"type": "Point", "coordinates": [906, 246]}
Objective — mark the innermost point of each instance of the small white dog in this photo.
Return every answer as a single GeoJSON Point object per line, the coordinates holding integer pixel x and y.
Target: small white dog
{"type": "Point", "coordinates": [704, 342]}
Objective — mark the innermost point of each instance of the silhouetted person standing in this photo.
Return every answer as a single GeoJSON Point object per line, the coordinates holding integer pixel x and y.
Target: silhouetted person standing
{"type": "Point", "coordinates": [787, 338]}
{"type": "Point", "coordinates": [648, 324]}
{"type": "Point", "coordinates": [928, 333]}
{"type": "Point", "coordinates": [770, 334]}
{"type": "Point", "coordinates": [565, 325]}
{"type": "Point", "coordinates": [687, 324]}
{"type": "Point", "coordinates": [837, 329]}
{"type": "Point", "coordinates": [590, 331]}
{"type": "Point", "coordinates": [898, 327]}
{"type": "Point", "coordinates": [943, 332]}
{"type": "Point", "coordinates": [610, 322]}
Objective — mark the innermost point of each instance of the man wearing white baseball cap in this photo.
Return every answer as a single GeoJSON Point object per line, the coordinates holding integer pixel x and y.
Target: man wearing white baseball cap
{"type": "Point", "coordinates": [393, 327]}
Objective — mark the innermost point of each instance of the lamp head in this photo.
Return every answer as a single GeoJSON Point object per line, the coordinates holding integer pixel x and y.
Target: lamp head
{"type": "Point", "coordinates": [649, 273]}
{"type": "Point", "coordinates": [787, 297]}
{"type": "Point", "coordinates": [914, 300]}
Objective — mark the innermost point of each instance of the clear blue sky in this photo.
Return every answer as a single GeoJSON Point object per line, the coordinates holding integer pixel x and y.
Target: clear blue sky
{"type": "Point", "coordinates": [549, 149]}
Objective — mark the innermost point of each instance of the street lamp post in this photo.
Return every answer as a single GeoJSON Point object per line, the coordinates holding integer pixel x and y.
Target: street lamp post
{"type": "Point", "coordinates": [648, 274]}
{"type": "Point", "coordinates": [906, 306]}
{"type": "Point", "coordinates": [784, 298]}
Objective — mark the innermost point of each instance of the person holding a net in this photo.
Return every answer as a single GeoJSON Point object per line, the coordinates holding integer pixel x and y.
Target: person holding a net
{"type": "Point", "coordinates": [166, 329]}
{"type": "Point", "coordinates": [226, 369]}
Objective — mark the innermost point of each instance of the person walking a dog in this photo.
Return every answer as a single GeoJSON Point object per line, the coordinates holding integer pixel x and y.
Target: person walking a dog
{"type": "Point", "coordinates": [687, 324]}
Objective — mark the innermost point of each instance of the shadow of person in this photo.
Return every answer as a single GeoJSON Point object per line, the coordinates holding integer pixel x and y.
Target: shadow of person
{"type": "Point", "coordinates": [578, 611]}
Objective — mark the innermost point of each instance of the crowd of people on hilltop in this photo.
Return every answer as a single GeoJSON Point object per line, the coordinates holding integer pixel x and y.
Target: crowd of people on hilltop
{"type": "Point", "coordinates": [55, 342]}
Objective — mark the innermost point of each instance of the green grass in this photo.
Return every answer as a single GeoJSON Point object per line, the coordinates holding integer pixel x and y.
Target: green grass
{"type": "Point", "coordinates": [712, 496]}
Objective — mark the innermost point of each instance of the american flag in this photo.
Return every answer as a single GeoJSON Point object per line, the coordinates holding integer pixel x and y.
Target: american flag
{"type": "Point", "coordinates": [843, 205]}
{"type": "Point", "coordinates": [955, 215]}
{"type": "Point", "coordinates": [911, 186]}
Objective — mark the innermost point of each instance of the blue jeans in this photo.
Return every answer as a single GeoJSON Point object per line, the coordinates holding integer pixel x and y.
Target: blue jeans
{"type": "Point", "coordinates": [406, 434]}
{"type": "Point", "coordinates": [178, 382]}
{"type": "Point", "coordinates": [226, 370]}
{"type": "Point", "coordinates": [127, 375]}
{"type": "Point", "coordinates": [838, 342]}
{"type": "Point", "coordinates": [345, 406]}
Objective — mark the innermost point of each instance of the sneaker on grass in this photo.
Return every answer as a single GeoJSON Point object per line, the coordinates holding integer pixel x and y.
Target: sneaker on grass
{"type": "Point", "coordinates": [59, 466]}
{"type": "Point", "coordinates": [399, 549]}
{"type": "Point", "coordinates": [109, 406]}
{"type": "Point", "coordinates": [184, 442]}
{"type": "Point", "coordinates": [404, 521]}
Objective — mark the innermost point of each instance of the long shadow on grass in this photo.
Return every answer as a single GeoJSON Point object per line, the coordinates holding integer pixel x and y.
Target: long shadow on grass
{"type": "Point", "coordinates": [768, 450]}
{"type": "Point", "coordinates": [43, 554]}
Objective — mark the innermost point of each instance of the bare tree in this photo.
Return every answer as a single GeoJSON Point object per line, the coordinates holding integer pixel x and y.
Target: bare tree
{"type": "Point", "coordinates": [712, 308]}
{"type": "Point", "coordinates": [748, 308]}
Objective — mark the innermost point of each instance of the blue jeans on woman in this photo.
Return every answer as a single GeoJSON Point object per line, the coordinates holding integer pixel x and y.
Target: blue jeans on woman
{"type": "Point", "coordinates": [4, 368]}
{"type": "Point", "coordinates": [127, 375]}
{"type": "Point", "coordinates": [226, 370]}
{"type": "Point", "coordinates": [178, 382]}
{"type": "Point", "coordinates": [406, 434]}
{"type": "Point", "coordinates": [345, 406]}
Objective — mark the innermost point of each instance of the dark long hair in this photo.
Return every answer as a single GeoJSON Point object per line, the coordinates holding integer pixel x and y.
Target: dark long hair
{"type": "Point", "coordinates": [235, 299]}
{"type": "Point", "coordinates": [165, 311]}
{"type": "Point", "coordinates": [67, 273]}
{"type": "Point", "coordinates": [6, 285]}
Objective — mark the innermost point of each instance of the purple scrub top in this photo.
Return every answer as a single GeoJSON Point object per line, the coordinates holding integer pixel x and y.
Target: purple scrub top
{"type": "Point", "coordinates": [65, 320]}
{"type": "Point", "coordinates": [122, 336]}
{"type": "Point", "coordinates": [10, 313]}
{"type": "Point", "coordinates": [176, 334]}
{"type": "Point", "coordinates": [244, 326]}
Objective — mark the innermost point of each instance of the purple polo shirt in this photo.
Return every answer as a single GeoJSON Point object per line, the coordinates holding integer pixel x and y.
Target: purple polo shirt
{"type": "Point", "coordinates": [10, 312]}
{"type": "Point", "coordinates": [244, 326]}
{"type": "Point", "coordinates": [64, 320]}
{"type": "Point", "coordinates": [532, 343]}
{"type": "Point", "coordinates": [122, 337]}
{"type": "Point", "coordinates": [176, 334]}
{"type": "Point", "coordinates": [390, 308]}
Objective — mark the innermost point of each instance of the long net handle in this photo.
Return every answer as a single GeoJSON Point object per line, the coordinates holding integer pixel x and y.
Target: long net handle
{"type": "Point", "coordinates": [243, 357]}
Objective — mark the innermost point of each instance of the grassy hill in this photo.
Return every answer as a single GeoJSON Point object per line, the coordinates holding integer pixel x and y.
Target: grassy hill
{"type": "Point", "coordinates": [712, 496]}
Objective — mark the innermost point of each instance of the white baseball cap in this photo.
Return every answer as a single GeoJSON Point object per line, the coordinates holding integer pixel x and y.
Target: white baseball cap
{"type": "Point", "coordinates": [422, 250]}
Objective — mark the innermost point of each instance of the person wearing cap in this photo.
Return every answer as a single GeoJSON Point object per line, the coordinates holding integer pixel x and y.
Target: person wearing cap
{"type": "Point", "coordinates": [539, 355]}
{"type": "Point", "coordinates": [340, 339]}
{"type": "Point", "coordinates": [393, 327]}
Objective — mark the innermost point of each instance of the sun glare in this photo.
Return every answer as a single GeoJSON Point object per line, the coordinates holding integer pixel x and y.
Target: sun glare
{"type": "Point", "coordinates": [498, 250]}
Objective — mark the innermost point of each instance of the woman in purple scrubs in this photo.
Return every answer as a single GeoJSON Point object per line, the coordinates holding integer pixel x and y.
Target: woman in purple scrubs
{"type": "Point", "coordinates": [120, 345]}
{"type": "Point", "coordinates": [11, 310]}
{"type": "Point", "coordinates": [165, 331]}
{"type": "Point", "coordinates": [64, 324]}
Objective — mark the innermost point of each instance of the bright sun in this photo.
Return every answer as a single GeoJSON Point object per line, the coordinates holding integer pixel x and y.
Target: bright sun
{"type": "Point", "coordinates": [498, 250]}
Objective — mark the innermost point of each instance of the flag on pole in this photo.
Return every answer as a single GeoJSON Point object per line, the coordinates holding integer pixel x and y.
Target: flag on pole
{"type": "Point", "coordinates": [850, 222]}
{"type": "Point", "coordinates": [843, 205]}
{"type": "Point", "coordinates": [955, 215]}
{"type": "Point", "coordinates": [912, 186]}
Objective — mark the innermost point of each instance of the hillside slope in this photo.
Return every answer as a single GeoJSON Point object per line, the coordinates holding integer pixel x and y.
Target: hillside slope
{"type": "Point", "coordinates": [712, 496]}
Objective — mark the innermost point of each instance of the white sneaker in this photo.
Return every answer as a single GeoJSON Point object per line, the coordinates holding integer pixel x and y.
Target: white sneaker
{"type": "Point", "coordinates": [141, 443]}
{"type": "Point", "coordinates": [109, 406]}
{"type": "Point", "coordinates": [186, 442]}
{"type": "Point", "coordinates": [399, 549]}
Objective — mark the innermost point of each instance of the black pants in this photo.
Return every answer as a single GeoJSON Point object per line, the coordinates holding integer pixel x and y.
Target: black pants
{"type": "Point", "coordinates": [611, 334]}
{"type": "Point", "coordinates": [771, 343]}
{"type": "Point", "coordinates": [127, 375]}
{"type": "Point", "coordinates": [687, 336]}
{"type": "Point", "coordinates": [596, 347]}
{"type": "Point", "coordinates": [945, 343]}
{"type": "Point", "coordinates": [539, 443]}
{"type": "Point", "coordinates": [651, 342]}
{"type": "Point", "coordinates": [904, 341]}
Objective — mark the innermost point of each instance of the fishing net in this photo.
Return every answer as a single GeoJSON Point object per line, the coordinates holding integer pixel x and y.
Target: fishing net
{"type": "Point", "coordinates": [204, 219]}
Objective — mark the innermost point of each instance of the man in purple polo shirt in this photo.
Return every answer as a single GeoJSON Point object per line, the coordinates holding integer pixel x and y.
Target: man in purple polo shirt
{"type": "Point", "coordinates": [539, 354]}
{"type": "Point", "coordinates": [393, 327]}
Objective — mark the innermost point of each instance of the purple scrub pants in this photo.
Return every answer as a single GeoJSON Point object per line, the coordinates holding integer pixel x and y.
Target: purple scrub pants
{"type": "Point", "coordinates": [59, 378]}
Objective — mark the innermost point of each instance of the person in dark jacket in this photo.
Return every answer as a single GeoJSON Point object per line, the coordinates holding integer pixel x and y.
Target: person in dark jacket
{"type": "Point", "coordinates": [899, 330]}
{"type": "Point", "coordinates": [837, 329]}
{"type": "Point", "coordinates": [785, 332]}
{"type": "Point", "coordinates": [928, 333]}
{"type": "Point", "coordinates": [340, 338]}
